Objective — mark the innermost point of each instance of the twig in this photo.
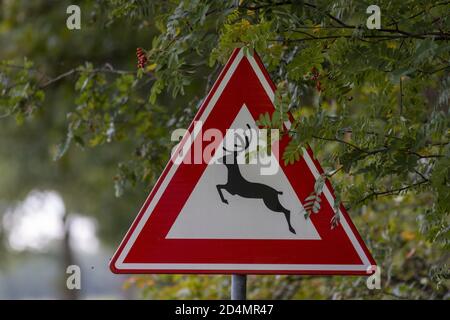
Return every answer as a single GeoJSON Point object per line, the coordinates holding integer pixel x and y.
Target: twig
{"type": "Point", "coordinates": [422, 11]}
{"type": "Point", "coordinates": [421, 175]}
{"type": "Point", "coordinates": [342, 24]}
{"type": "Point", "coordinates": [367, 152]}
{"type": "Point", "coordinates": [105, 69]}
{"type": "Point", "coordinates": [332, 173]}
{"type": "Point", "coordinates": [56, 79]}
{"type": "Point", "coordinates": [341, 141]}
{"type": "Point", "coordinates": [424, 156]}
{"type": "Point", "coordinates": [401, 96]}
{"type": "Point", "coordinates": [391, 191]}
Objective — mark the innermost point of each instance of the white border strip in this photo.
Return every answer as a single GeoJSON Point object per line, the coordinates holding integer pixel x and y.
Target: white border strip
{"type": "Point", "coordinates": [218, 266]}
{"type": "Point", "coordinates": [262, 79]}
{"type": "Point", "coordinates": [245, 266]}
{"type": "Point", "coordinates": [330, 200]}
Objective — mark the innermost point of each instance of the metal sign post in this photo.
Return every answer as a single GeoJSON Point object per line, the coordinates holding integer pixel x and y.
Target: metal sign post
{"type": "Point", "coordinates": [238, 287]}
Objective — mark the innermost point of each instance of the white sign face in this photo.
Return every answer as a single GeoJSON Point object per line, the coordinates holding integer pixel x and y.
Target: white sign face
{"type": "Point", "coordinates": [205, 216]}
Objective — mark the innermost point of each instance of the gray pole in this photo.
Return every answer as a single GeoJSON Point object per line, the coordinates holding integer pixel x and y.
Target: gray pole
{"type": "Point", "coordinates": [238, 287]}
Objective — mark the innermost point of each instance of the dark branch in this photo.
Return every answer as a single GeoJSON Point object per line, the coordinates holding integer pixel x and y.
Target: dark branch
{"type": "Point", "coordinates": [391, 192]}
{"type": "Point", "coordinates": [436, 35]}
{"type": "Point", "coordinates": [105, 69]}
{"type": "Point", "coordinates": [340, 141]}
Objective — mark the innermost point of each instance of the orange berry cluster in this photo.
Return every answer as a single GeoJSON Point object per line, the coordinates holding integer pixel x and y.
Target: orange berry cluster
{"type": "Point", "coordinates": [315, 77]}
{"type": "Point", "coordinates": [142, 59]}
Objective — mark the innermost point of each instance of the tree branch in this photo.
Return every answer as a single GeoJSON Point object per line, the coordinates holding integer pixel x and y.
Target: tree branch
{"type": "Point", "coordinates": [421, 175]}
{"type": "Point", "coordinates": [436, 35]}
{"type": "Point", "coordinates": [367, 152]}
{"type": "Point", "coordinates": [391, 191]}
{"type": "Point", "coordinates": [340, 141]}
{"type": "Point", "coordinates": [381, 37]}
{"type": "Point", "coordinates": [423, 11]}
{"type": "Point", "coordinates": [380, 149]}
{"type": "Point", "coordinates": [58, 78]}
{"type": "Point", "coordinates": [424, 156]}
{"type": "Point", "coordinates": [332, 173]}
{"type": "Point", "coordinates": [401, 96]}
{"type": "Point", "coordinates": [106, 69]}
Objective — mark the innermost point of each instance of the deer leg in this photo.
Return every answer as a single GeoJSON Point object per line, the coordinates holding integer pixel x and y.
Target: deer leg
{"type": "Point", "coordinates": [287, 214]}
{"type": "Point", "coordinates": [273, 203]}
{"type": "Point", "coordinates": [219, 189]}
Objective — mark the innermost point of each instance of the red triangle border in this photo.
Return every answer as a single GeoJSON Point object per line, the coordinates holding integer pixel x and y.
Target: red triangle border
{"type": "Point", "coordinates": [118, 264]}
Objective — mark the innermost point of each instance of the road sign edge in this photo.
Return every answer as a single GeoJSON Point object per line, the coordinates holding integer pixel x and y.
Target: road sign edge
{"type": "Point", "coordinates": [367, 259]}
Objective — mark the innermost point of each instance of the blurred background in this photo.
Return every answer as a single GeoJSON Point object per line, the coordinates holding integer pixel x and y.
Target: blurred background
{"type": "Point", "coordinates": [76, 165]}
{"type": "Point", "coordinates": [59, 213]}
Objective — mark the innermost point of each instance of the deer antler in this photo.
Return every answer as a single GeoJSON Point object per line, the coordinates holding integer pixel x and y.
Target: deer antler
{"type": "Point", "coordinates": [241, 145]}
{"type": "Point", "coordinates": [247, 139]}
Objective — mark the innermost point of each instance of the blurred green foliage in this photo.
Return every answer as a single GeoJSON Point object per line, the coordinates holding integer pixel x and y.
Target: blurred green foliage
{"type": "Point", "coordinates": [373, 104]}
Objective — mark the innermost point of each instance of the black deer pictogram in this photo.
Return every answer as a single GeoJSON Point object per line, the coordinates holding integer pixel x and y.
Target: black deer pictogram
{"type": "Point", "coordinates": [238, 185]}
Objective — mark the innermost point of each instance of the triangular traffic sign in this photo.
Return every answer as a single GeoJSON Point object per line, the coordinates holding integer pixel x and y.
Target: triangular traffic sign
{"type": "Point", "coordinates": [194, 221]}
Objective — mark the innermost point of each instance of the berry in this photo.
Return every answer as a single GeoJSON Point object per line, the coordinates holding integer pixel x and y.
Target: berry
{"type": "Point", "coordinates": [315, 77]}
{"type": "Point", "coordinates": [142, 58]}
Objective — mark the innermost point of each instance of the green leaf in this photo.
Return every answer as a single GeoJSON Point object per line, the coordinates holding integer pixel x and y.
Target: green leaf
{"type": "Point", "coordinates": [157, 88]}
